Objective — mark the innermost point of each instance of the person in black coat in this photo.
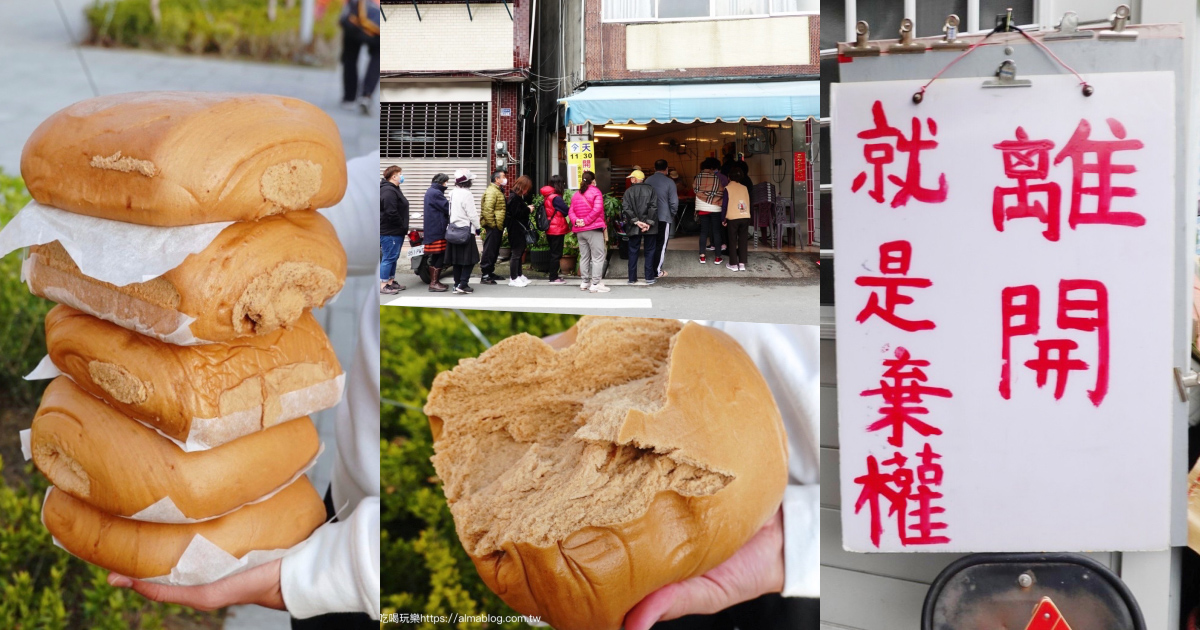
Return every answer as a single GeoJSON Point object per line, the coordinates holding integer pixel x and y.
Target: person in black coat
{"type": "Point", "coordinates": [516, 221]}
{"type": "Point", "coordinates": [437, 217]}
{"type": "Point", "coordinates": [393, 226]}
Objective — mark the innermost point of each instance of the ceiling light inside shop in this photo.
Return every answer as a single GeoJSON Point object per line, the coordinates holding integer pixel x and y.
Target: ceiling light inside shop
{"type": "Point", "coordinates": [728, 133]}
{"type": "Point", "coordinates": [607, 134]}
{"type": "Point", "coordinates": [627, 127]}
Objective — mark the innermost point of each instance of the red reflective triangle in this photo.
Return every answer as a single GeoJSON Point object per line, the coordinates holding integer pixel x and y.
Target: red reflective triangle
{"type": "Point", "coordinates": [1046, 616]}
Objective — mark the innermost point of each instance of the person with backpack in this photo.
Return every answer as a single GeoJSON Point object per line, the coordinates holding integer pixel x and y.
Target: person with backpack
{"type": "Point", "coordinates": [393, 226]}
{"type": "Point", "coordinates": [360, 27]}
{"type": "Point", "coordinates": [491, 217]}
{"type": "Point", "coordinates": [520, 198]}
{"type": "Point", "coordinates": [737, 218]}
{"type": "Point", "coordinates": [639, 211]}
{"type": "Point", "coordinates": [555, 211]}
{"type": "Point", "coordinates": [587, 221]}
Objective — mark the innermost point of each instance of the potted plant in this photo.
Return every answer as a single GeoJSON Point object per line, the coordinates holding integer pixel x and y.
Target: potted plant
{"type": "Point", "coordinates": [505, 249]}
{"type": "Point", "coordinates": [617, 238]}
{"type": "Point", "coordinates": [570, 256]}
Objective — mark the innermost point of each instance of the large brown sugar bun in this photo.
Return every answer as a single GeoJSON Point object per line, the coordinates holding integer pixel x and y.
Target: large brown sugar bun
{"type": "Point", "coordinates": [183, 158]}
{"type": "Point", "coordinates": [141, 550]}
{"type": "Point", "coordinates": [169, 386]}
{"type": "Point", "coordinates": [255, 277]}
{"type": "Point", "coordinates": [583, 476]}
{"type": "Point", "coordinates": [98, 455]}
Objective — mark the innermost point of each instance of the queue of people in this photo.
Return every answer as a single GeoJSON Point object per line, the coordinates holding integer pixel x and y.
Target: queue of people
{"type": "Point", "coordinates": [649, 213]}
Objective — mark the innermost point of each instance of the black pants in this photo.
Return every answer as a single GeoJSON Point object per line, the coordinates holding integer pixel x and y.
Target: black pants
{"type": "Point", "coordinates": [556, 247]}
{"type": "Point", "coordinates": [335, 621]}
{"type": "Point", "coordinates": [517, 241]}
{"type": "Point", "coordinates": [660, 245]}
{"type": "Point", "coordinates": [769, 612]}
{"type": "Point", "coordinates": [635, 243]}
{"type": "Point", "coordinates": [739, 240]}
{"type": "Point", "coordinates": [352, 43]}
{"type": "Point", "coordinates": [462, 275]}
{"type": "Point", "coordinates": [491, 251]}
{"type": "Point", "coordinates": [710, 226]}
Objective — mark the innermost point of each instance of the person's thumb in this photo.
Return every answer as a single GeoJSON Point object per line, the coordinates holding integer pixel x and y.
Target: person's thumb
{"type": "Point", "coordinates": [697, 596]}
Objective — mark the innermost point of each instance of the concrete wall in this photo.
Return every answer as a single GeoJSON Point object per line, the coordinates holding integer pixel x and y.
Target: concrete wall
{"type": "Point", "coordinates": [718, 44]}
{"type": "Point", "coordinates": [447, 39]}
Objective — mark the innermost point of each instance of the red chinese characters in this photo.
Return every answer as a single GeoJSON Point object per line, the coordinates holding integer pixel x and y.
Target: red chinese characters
{"type": "Point", "coordinates": [1028, 163]}
{"type": "Point", "coordinates": [902, 389]}
{"type": "Point", "coordinates": [1082, 306]}
{"type": "Point", "coordinates": [910, 495]}
{"type": "Point", "coordinates": [881, 154]}
{"type": "Point", "coordinates": [895, 258]}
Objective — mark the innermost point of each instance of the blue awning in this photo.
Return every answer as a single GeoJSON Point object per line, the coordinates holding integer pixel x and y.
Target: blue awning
{"type": "Point", "coordinates": [705, 102]}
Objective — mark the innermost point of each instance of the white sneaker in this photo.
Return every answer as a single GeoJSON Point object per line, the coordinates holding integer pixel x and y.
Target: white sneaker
{"type": "Point", "coordinates": [525, 281]}
{"type": "Point", "coordinates": [731, 267]}
{"type": "Point", "coordinates": [515, 282]}
{"type": "Point", "coordinates": [599, 288]}
{"type": "Point", "coordinates": [741, 266]}
{"type": "Point", "coordinates": [583, 286]}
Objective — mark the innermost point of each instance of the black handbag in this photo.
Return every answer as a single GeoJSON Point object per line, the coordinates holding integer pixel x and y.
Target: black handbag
{"type": "Point", "coordinates": [457, 235]}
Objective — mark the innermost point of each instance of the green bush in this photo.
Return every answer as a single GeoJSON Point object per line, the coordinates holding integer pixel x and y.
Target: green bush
{"type": "Point", "coordinates": [22, 334]}
{"type": "Point", "coordinates": [425, 569]}
{"type": "Point", "coordinates": [231, 28]}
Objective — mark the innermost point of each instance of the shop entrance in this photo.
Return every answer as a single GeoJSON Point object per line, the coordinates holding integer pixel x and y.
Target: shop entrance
{"type": "Point", "coordinates": [764, 150]}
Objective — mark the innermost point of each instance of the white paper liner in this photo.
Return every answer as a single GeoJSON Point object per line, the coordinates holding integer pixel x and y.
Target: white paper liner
{"type": "Point", "coordinates": [297, 404]}
{"type": "Point", "coordinates": [202, 561]}
{"type": "Point", "coordinates": [45, 370]}
{"type": "Point", "coordinates": [165, 511]}
{"type": "Point", "coordinates": [116, 252]}
{"type": "Point", "coordinates": [26, 449]}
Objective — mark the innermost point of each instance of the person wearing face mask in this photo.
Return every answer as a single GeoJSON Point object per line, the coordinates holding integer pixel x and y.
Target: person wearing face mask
{"type": "Point", "coordinates": [516, 217]}
{"type": "Point", "coordinates": [393, 226]}
{"type": "Point", "coordinates": [491, 217]}
{"type": "Point", "coordinates": [437, 217]}
{"type": "Point", "coordinates": [464, 217]}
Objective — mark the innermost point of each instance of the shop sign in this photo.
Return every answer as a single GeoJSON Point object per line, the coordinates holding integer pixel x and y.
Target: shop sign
{"type": "Point", "coordinates": [580, 158]}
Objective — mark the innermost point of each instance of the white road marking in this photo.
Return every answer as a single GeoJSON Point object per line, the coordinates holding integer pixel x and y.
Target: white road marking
{"type": "Point", "coordinates": [491, 303]}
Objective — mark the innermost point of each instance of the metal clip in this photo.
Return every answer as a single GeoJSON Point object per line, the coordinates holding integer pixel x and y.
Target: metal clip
{"type": "Point", "coordinates": [1006, 77]}
{"type": "Point", "coordinates": [950, 40]}
{"type": "Point", "coordinates": [906, 44]}
{"type": "Point", "coordinates": [1068, 28]}
{"type": "Point", "coordinates": [1118, 32]}
{"type": "Point", "coordinates": [861, 47]}
{"type": "Point", "coordinates": [1184, 382]}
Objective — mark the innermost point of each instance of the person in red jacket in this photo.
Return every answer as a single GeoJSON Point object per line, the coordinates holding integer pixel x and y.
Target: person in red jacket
{"type": "Point", "coordinates": [556, 209]}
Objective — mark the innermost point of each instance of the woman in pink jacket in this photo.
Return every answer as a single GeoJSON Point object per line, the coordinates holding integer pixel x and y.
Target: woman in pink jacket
{"type": "Point", "coordinates": [587, 221]}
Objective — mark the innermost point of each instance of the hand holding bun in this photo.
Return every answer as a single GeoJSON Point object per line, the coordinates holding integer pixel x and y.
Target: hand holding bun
{"type": "Point", "coordinates": [635, 454]}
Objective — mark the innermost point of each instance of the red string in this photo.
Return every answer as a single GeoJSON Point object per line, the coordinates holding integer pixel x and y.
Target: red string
{"type": "Point", "coordinates": [981, 42]}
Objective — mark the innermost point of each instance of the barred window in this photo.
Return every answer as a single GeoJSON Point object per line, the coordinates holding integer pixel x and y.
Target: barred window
{"type": "Point", "coordinates": [433, 130]}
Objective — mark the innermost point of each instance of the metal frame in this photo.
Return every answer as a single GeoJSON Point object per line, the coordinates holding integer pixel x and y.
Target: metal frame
{"type": "Point", "coordinates": [952, 569]}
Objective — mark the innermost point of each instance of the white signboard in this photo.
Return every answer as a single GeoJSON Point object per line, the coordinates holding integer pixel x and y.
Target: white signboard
{"type": "Point", "coordinates": [1004, 313]}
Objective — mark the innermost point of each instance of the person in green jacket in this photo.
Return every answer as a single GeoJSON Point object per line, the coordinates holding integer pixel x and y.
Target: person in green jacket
{"type": "Point", "coordinates": [492, 219]}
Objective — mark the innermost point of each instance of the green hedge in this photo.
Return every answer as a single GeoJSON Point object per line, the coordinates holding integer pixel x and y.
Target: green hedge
{"type": "Point", "coordinates": [230, 28]}
{"type": "Point", "coordinates": [41, 586]}
{"type": "Point", "coordinates": [22, 336]}
{"type": "Point", "coordinates": [425, 569]}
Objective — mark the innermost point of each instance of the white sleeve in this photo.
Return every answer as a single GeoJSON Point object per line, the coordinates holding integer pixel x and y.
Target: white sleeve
{"type": "Point", "coordinates": [356, 218]}
{"type": "Point", "coordinates": [801, 542]}
{"type": "Point", "coordinates": [337, 568]}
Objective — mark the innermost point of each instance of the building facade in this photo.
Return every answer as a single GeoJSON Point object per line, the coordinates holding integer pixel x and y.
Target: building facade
{"type": "Point", "coordinates": [452, 89]}
{"type": "Point", "coordinates": [682, 81]}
